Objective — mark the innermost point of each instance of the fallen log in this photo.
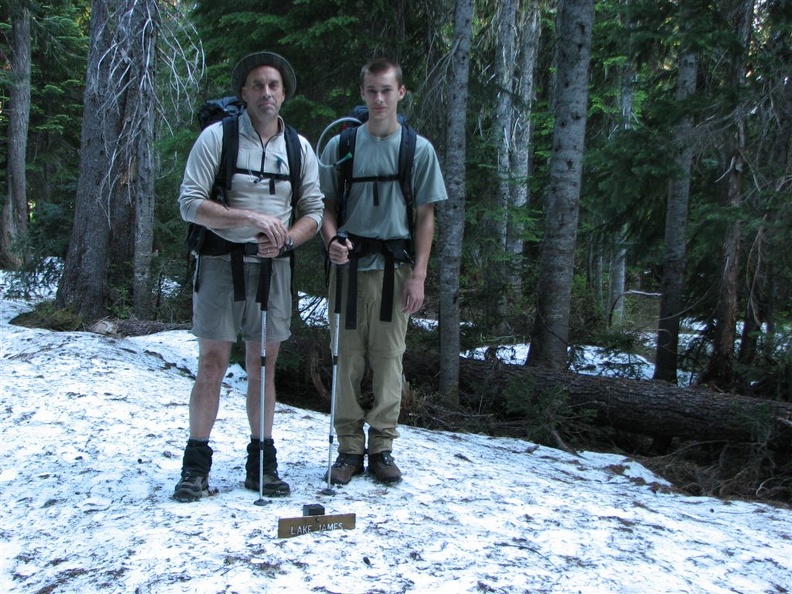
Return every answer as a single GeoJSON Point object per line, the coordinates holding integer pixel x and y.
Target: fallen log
{"type": "Point", "coordinates": [727, 445]}
{"type": "Point", "coordinates": [655, 409]}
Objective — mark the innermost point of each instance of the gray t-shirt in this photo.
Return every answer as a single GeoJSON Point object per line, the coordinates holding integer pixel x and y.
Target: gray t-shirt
{"type": "Point", "coordinates": [387, 217]}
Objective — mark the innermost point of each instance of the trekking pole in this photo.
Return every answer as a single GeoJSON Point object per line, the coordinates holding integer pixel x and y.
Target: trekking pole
{"type": "Point", "coordinates": [264, 286]}
{"type": "Point", "coordinates": [336, 330]}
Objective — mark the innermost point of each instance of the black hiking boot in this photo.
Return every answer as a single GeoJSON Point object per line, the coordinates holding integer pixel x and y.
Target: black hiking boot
{"type": "Point", "coordinates": [383, 467]}
{"type": "Point", "coordinates": [272, 486]}
{"type": "Point", "coordinates": [196, 463]}
{"type": "Point", "coordinates": [345, 467]}
{"type": "Point", "coordinates": [192, 487]}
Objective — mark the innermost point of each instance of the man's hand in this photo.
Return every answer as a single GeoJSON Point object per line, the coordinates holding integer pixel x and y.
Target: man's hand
{"type": "Point", "coordinates": [339, 249]}
{"type": "Point", "coordinates": [413, 297]}
{"type": "Point", "coordinates": [271, 237]}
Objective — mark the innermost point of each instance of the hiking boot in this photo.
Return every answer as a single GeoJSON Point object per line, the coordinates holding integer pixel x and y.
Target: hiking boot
{"type": "Point", "coordinates": [383, 467]}
{"type": "Point", "coordinates": [345, 467]}
{"type": "Point", "coordinates": [191, 487]}
{"type": "Point", "coordinates": [272, 486]}
{"type": "Point", "coordinates": [196, 464]}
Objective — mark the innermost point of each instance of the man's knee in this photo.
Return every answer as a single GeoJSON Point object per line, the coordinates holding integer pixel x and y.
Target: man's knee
{"type": "Point", "coordinates": [213, 361]}
{"type": "Point", "coordinates": [254, 357]}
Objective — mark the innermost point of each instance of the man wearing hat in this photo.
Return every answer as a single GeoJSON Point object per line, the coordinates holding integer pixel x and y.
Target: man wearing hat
{"type": "Point", "coordinates": [254, 218]}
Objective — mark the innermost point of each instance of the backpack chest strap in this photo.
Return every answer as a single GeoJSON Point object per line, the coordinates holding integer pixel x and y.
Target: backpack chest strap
{"type": "Point", "coordinates": [377, 179]}
{"type": "Point", "coordinates": [262, 175]}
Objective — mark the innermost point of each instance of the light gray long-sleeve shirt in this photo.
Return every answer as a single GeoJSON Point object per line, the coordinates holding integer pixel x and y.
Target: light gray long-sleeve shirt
{"type": "Point", "coordinates": [248, 190]}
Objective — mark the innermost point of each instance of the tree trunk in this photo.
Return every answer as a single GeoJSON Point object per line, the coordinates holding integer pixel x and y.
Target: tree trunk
{"type": "Point", "coordinates": [616, 281]}
{"type": "Point", "coordinates": [451, 213]}
{"type": "Point", "coordinates": [720, 369]}
{"type": "Point", "coordinates": [528, 33]}
{"type": "Point", "coordinates": [556, 269]}
{"type": "Point", "coordinates": [15, 212]}
{"type": "Point", "coordinates": [618, 256]}
{"type": "Point", "coordinates": [109, 254]}
{"type": "Point", "coordinates": [497, 286]}
{"type": "Point", "coordinates": [84, 284]}
{"type": "Point", "coordinates": [146, 24]}
{"type": "Point", "coordinates": [676, 234]}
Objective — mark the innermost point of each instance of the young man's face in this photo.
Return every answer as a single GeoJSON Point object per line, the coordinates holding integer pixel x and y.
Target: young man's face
{"type": "Point", "coordinates": [264, 92]}
{"type": "Point", "coordinates": [381, 92]}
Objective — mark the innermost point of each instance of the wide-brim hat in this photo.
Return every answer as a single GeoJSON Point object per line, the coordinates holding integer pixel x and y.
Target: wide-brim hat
{"type": "Point", "coordinates": [251, 61]}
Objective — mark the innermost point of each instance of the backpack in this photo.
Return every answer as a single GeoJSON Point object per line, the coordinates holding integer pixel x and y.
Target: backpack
{"type": "Point", "coordinates": [201, 240]}
{"type": "Point", "coordinates": [346, 155]}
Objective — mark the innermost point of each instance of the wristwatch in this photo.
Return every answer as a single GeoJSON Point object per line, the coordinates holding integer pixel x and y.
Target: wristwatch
{"type": "Point", "coordinates": [287, 246]}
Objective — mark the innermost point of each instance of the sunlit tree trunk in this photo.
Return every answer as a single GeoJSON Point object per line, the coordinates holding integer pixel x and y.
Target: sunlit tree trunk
{"type": "Point", "coordinates": [676, 233]}
{"type": "Point", "coordinates": [145, 25]}
{"type": "Point", "coordinates": [616, 281]}
{"type": "Point", "coordinates": [451, 213]}
{"type": "Point", "coordinates": [528, 33]}
{"type": "Point", "coordinates": [15, 212]}
{"type": "Point", "coordinates": [618, 256]}
{"type": "Point", "coordinates": [556, 270]}
{"type": "Point", "coordinates": [496, 275]}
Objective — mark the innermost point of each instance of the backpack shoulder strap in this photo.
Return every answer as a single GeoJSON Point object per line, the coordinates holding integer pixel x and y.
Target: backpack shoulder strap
{"type": "Point", "coordinates": [346, 154]}
{"type": "Point", "coordinates": [294, 156]}
{"type": "Point", "coordinates": [228, 156]}
{"type": "Point", "coordinates": [409, 138]}
{"type": "Point", "coordinates": [406, 157]}
{"type": "Point", "coordinates": [345, 159]}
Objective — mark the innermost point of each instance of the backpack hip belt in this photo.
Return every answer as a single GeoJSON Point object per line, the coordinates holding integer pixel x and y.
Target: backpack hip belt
{"type": "Point", "coordinates": [214, 245]}
{"type": "Point", "coordinates": [393, 250]}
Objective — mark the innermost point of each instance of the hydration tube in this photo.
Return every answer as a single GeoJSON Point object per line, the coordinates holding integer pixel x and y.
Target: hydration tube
{"type": "Point", "coordinates": [330, 126]}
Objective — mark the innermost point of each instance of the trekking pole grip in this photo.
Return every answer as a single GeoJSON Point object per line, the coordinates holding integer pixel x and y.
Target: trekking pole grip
{"type": "Point", "coordinates": [341, 237]}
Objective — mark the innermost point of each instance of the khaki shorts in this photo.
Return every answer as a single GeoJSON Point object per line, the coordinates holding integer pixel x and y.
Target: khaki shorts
{"type": "Point", "coordinates": [218, 317]}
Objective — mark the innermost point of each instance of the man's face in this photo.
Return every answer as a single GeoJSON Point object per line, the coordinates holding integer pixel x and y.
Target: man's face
{"type": "Point", "coordinates": [264, 92]}
{"type": "Point", "coordinates": [382, 93]}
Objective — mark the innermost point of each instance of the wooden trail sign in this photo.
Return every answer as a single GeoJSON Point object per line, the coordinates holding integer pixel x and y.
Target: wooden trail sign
{"type": "Point", "coordinates": [290, 527]}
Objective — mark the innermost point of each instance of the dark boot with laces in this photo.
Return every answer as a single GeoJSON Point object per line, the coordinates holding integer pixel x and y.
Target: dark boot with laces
{"type": "Point", "coordinates": [382, 466]}
{"type": "Point", "coordinates": [272, 486]}
{"type": "Point", "coordinates": [196, 463]}
{"type": "Point", "coordinates": [345, 467]}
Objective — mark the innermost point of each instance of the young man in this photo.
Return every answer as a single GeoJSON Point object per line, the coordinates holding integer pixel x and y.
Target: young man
{"type": "Point", "coordinates": [374, 228]}
{"type": "Point", "coordinates": [256, 221]}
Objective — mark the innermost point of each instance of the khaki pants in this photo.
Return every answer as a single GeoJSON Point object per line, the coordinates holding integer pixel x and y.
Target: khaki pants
{"type": "Point", "coordinates": [383, 344]}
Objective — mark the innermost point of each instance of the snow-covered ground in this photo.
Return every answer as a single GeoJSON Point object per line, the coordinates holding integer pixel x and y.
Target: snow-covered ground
{"type": "Point", "coordinates": [92, 434]}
